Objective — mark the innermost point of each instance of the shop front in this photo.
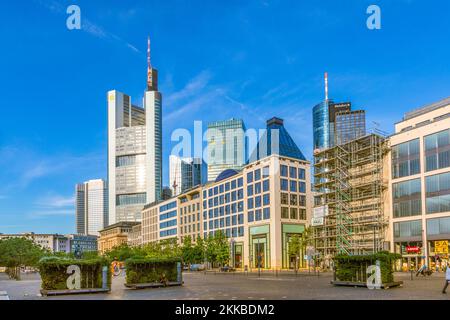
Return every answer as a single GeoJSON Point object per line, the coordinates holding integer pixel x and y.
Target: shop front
{"type": "Point", "coordinates": [290, 259]}
{"type": "Point", "coordinates": [259, 247]}
{"type": "Point", "coordinates": [237, 254]}
{"type": "Point", "coordinates": [438, 254]}
{"type": "Point", "coordinates": [412, 255]}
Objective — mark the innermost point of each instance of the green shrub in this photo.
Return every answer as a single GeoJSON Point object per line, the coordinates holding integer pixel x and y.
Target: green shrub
{"type": "Point", "coordinates": [53, 271]}
{"type": "Point", "coordinates": [150, 270]}
{"type": "Point", "coordinates": [354, 268]}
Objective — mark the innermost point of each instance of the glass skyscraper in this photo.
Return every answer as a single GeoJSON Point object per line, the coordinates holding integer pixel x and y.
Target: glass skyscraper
{"type": "Point", "coordinates": [226, 146]}
{"type": "Point", "coordinates": [186, 173]}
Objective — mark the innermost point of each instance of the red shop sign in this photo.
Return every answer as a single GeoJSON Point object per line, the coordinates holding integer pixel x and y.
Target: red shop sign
{"type": "Point", "coordinates": [413, 249]}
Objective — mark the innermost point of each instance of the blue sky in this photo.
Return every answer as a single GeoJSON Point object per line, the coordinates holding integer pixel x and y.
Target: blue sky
{"type": "Point", "coordinates": [216, 60]}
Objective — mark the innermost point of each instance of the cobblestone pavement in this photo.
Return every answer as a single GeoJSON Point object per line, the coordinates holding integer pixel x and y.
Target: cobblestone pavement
{"type": "Point", "coordinates": [199, 286]}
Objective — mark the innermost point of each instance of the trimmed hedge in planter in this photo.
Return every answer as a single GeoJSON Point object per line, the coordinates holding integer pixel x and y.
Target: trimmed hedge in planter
{"type": "Point", "coordinates": [151, 270]}
{"type": "Point", "coordinates": [354, 268]}
{"type": "Point", "coordinates": [53, 271]}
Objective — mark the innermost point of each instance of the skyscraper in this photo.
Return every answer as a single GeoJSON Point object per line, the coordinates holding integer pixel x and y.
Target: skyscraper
{"type": "Point", "coordinates": [226, 146]}
{"type": "Point", "coordinates": [185, 173]}
{"type": "Point", "coordinates": [335, 123]}
{"type": "Point", "coordinates": [91, 207]}
{"type": "Point", "coordinates": [134, 150]}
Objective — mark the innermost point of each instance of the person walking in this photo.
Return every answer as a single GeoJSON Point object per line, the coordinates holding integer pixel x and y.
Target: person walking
{"type": "Point", "coordinates": [447, 279]}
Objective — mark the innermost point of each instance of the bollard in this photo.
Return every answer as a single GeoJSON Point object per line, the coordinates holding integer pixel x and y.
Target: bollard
{"type": "Point", "coordinates": [105, 277]}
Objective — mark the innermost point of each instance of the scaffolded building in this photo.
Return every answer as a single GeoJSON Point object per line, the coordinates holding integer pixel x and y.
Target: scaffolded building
{"type": "Point", "coordinates": [350, 182]}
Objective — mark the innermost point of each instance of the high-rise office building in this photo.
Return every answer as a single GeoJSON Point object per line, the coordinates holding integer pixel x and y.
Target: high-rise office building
{"type": "Point", "coordinates": [185, 173]}
{"type": "Point", "coordinates": [134, 151]}
{"type": "Point", "coordinates": [226, 146]}
{"type": "Point", "coordinates": [91, 207]}
{"type": "Point", "coordinates": [336, 123]}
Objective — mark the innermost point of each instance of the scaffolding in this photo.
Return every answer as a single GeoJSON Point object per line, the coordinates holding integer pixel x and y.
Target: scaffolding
{"type": "Point", "coordinates": [350, 182]}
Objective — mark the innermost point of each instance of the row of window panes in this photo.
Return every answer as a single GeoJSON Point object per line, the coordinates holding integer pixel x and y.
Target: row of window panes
{"type": "Point", "coordinates": [167, 233]}
{"type": "Point", "coordinates": [230, 232]}
{"type": "Point", "coordinates": [258, 215]}
{"type": "Point", "coordinates": [256, 188]}
{"type": "Point", "coordinates": [293, 199]}
{"type": "Point", "coordinates": [223, 188]}
{"type": "Point", "coordinates": [258, 201]}
{"type": "Point", "coordinates": [223, 222]}
{"type": "Point", "coordinates": [222, 199]}
{"type": "Point", "coordinates": [130, 199]}
{"type": "Point", "coordinates": [168, 224]}
{"type": "Point", "coordinates": [224, 210]}
{"type": "Point", "coordinates": [294, 173]}
{"type": "Point", "coordinates": [291, 185]}
{"type": "Point", "coordinates": [293, 213]}
{"type": "Point", "coordinates": [168, 206]}
{"type": "Point", "coordinates": [256, 175]}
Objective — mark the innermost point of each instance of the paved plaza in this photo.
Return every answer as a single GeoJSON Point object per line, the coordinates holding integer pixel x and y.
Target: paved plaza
{"type": "Point", "coordinates": [200, 286]}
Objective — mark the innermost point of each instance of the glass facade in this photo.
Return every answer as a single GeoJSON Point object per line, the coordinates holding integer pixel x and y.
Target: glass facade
{"type": "Point", "coordinates": [438, 193]}
{"type": "Point", "coordinates": [321, 127]}
{"type": "Point", "coordinates": [438, 226]}
{"type": "Point", "coordinates": [437, 150]}
{"type": "Point", "coordinates": [408, 229]}
{"type": "Point", "coordinates": [349, 126]}
{"type": "Point", "coordinates": [406, 159]}
{"type": "Point", "coordinates": [407, 198]}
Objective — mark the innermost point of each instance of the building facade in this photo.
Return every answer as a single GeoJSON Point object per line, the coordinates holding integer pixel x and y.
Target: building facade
{"type": "Point", "coordinates": [50, 242]}
{"type": "Point", "coordinates": [91, 207]}
{"type": "Point", "coordinates": [85, 243]}
{"type": "Point", "coordinates": [420, 186]}
{"type": "Point", "coordinates": [258, 209]}
{"type": "Point", "coordinates": [135, 236]}
{"type": "Point", "coordinates": [134, 151]}
{"type": "Point", "coordinates": [115, 235]}
{"type": "Point", "coordinates": [226, 146]}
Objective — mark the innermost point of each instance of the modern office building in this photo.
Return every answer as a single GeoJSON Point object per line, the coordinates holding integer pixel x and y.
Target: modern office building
{"type": "Point", "coordinates": [115, 235]}
{"type": "Point", "coordinates": [420, 186]}
{"type": "Point", "coordinates": [134, 151]}
{"type": "Point", "coordinates": [185, 173]}
{"type": "Point", "coordinates": [226, 146]}
{"type": "Point", "coordinates": [336, 123]}
{"type": "Point", "coordinates": [258, 208]}
{"type": "Point", "coordinates": [166, 193]}
{"type": "Point", "coordinates": [91, 207]}
{"type": "Point", "coordinates": [350, 214]}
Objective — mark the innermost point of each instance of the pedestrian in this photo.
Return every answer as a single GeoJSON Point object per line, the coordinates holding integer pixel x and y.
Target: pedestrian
{"type": "Point", "coordinates": [447, 279]}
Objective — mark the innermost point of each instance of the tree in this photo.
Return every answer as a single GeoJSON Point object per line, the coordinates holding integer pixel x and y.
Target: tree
{"type": "Point", "coordinates": [295, 247]}
{"type": "Point", "coordinates": [187, 250]}
{"type": "Point", "coordinates": [210, 249]}
{"type": "Point", "coordinates": [222, 248]}
{"type": "Point", "coordinates": [198, 251]}
{"type": "Point", "coordinates": [19, 252]}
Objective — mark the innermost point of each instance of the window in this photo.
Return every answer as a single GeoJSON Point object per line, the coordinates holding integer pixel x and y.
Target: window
{"type": "Point", "coordinates": [240, 182]}
{"type": "Point", "coordinates": [233, 184]}
{"type": "Point", "coordinates": [284, 213]}
{"type": "Point", "coordinates": [258, 188]}
{"type": "Point", "coordinates": [266, 213]}
{"type": "Point", "coordinates": [408, 229]}
{"type": "Point", "coordinates": [266, 172]}
{"type": "Point", "coordinates": [294, 200]}
{"type": "Point", "coordinates": [227, 221]}
{"type": "Point", "coordinates": [250, 190]}
{"type": "Point", "coordinates": [234, 232]}
{"type": "Point", "coordinates": [233, 196]}
{"type": "Point", "coordinates": [437, 150]}
{"type": "Point", "coordinates": [438, 226]}
{"type": "Point", "coordinates": [240, 206]}
{"type": "Point", "coordinates": [241, 219]}
{"type": "Point", "coordinates": [302, 201]}
{"type": "Point", "coordinates": [284, 198]}
{"type": "Point", "coordinates": [258, 216]}
{"type": "Point", "coordinates": [266, 199]}
{"type": "Point", "coordinates": [258, 202]}
{"type": "Point", "coordinates": [250, 177]}
{"type": "Point", "coordinates": [284, 185]}
{"type": "Point", "coordinates": [250, 203]}
{"type": "Point", "coordinates": [251, 216]}
{"type": "Point", "coordinates": [293, 184]}
{"type": "Point", "coordinates": [205, 226]}
{"type": "Point", "coordinates": [216, 190]}
{"type": "Point", "coordinates": [284, 171]}
{"type": "Point", "coordinates": [302, 187]}
{"type": "Point", "coordinates": [221, 188]}
{"type": "Point", "coordinates": [234, 220]}
{"type": "Point", "coordinates": [293, 172]}
{"type": "Point", "coordinates": [227, 186]}
{"type": "Point", "coordinates": [241, 231]}
{"type": "Point", "coordinates": [438, 193]}
{"type": "Point", "coordinates": [302, 214]}
{"type": "Point", "coordinates": [257, 174]}
{"type": "Point", "coordinates": [293, 213]}
{"type": "Point", "coordinates": [266, 185]}
{"type": "Point", "coordinates": [407, 198]}
{"type": "Point", "coordinates": [406, 159]}
{"type": "Point", "coordinates": [302, 174]}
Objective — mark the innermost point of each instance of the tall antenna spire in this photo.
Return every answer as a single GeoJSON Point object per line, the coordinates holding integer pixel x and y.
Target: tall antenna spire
{"type": "Point", "coordinates": [326, 86]}
{"type": "Point", "coordinates": [149, 62]}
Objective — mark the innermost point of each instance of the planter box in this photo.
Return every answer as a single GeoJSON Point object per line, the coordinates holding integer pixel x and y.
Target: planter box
{"type": "Point", "coordinates": [153, 285]}
{"type": "Point", "coordinates": [71, 292]}
{"type": "Point", "coordinates": [364, 285]}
